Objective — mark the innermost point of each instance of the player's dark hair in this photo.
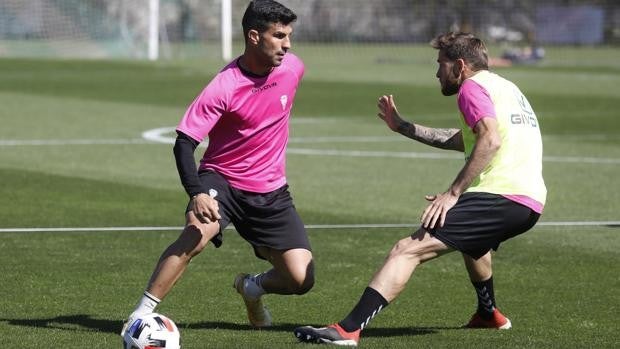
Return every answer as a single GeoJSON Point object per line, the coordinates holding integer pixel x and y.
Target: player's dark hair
{"type": "Point", "coordinates": [463, 46]}
{"type": "Point", "coordinates": [261, 13]}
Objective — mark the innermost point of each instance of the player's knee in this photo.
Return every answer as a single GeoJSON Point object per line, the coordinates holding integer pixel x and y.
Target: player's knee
{"type": "Point", "coordinates": [192, 240]}
{"type": "Point", "coordinates": [399, 249]}
{"type": "Point", "coordinates": [304, 285]}
{"type": "Point", "coordinates": [406, 249]}
{"type": "Point", "coordinates": [302, 282]}
{"type": "Point", "coordinates": [308, 284]}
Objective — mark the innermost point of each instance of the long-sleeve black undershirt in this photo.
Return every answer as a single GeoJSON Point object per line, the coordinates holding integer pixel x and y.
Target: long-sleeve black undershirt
{"type": "Point", "coordinates": [184, 148]}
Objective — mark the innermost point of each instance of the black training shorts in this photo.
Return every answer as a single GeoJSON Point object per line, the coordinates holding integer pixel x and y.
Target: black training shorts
{"type": "Point", "coordinates": [479, 222]}
{"type": "Point", "coordinates": [262, 219]}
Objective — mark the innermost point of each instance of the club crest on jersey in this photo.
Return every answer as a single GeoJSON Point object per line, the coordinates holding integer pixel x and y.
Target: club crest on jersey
{"type": "Point", "coordinates": [283, 100]}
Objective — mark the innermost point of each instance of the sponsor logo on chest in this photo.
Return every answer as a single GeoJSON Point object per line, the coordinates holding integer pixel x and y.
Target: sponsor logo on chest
{"type": "Point", "coordinates": [265, 87]}
{"type": "Point", "coordinates": [283, 98]}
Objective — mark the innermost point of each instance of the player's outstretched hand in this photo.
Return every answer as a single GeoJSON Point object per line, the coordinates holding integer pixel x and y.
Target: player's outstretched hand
{"type": "Point", "coordinates": [389, 113]}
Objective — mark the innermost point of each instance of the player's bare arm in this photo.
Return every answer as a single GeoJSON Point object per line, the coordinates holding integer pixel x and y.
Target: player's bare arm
{"type": "Point", "coordinates": [443, 138]}
{"type": "Point", "coordinates": [488, 142]}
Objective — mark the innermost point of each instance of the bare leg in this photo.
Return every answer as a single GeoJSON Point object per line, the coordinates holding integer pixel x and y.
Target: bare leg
{"type": "Point", "coordinates": [172, 264]}
{"type": "Point", "coordinates": [292, 272]}
{"type": "Point", "coordinates": [480, 269]}
{"type": "Point", "coordinates": [387, 283]}
{"type": "Point", "coordinates": [404, 257]}
{"type": "Point", "coordinates": [177, 256]}
{"type": "Point", "coordinates": [481, 275]}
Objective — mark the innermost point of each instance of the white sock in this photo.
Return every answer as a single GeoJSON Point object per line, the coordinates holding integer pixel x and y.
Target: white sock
{"type": "Point", "coordinates": [253, 286]}
{"type": "Point", "coordinates": [146, 305]}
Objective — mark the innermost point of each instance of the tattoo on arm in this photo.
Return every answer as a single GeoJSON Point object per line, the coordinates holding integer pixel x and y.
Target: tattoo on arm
{"type": "Point", "coordinates": [406, 129]}
{"type": "Point", "coordinates": [443, 138]}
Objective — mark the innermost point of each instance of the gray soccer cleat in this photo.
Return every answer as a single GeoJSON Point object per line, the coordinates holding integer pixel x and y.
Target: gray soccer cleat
{"type": "Point", "coordinates": [258, 314]}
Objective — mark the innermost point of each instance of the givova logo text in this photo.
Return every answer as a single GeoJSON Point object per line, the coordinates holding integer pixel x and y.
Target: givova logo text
{"type": "Point", "coordinates": [524, 119]}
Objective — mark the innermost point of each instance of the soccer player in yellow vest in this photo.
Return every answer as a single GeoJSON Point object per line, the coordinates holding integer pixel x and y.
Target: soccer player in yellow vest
{"type": "Point", "coordinates": [498, 194]}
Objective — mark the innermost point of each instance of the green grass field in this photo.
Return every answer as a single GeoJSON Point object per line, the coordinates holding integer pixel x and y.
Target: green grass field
{"type": "Point", "coordinates": [72, 155]}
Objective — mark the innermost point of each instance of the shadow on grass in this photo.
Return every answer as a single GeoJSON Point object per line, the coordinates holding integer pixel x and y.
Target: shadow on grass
{"type": "Point", "coordinates": [79, 322]}
{"type": "Point", "coordinates": [369, 332]}
{"type": "Point", "coordinates": [83, 322]}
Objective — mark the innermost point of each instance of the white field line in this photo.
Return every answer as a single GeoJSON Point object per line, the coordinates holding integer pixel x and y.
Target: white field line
{"type": "Point", "coordinates": [166, 135]}
{"type": "Point", "coordinates": [309, 227]}
{"type": "Point", "coordinates": [158, 138]}
{"type": "Point", "coordinates": [447, 155]}
{"type": "Point", "coordinates": [162, 135]}
{"type": "Point", "coordinates": [50, 142]}
{"type": "Point", "coordinates": [373, 154]}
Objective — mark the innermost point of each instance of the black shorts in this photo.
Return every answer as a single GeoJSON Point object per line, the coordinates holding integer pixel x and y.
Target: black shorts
{"type": "Point", "coordinates": [479, 222]}
{"type": "Point", "coordinates": [262, 219]}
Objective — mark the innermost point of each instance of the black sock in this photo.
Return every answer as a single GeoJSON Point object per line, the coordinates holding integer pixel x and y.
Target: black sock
{"type": "Point", "coordinates": [486, 298]}
{"type": "Point", "coordinates": [369, 305]}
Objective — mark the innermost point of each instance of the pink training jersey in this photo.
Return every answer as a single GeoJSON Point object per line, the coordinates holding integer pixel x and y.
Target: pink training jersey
{"type": "Point", "coordinates": [246, 119]}
{"type": "Point", "coordinates": [475, 103]}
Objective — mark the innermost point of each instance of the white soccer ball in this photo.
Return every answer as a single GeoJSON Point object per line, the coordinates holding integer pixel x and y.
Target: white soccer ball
{"type": "Point", "coordinates": [152, 331]}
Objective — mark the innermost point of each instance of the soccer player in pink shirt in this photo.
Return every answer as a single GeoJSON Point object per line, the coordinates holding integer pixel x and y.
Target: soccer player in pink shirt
{"type": "Point", "coordinates": [244, 112]}
{"type": "Point", "coordinates": [498, 194]}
